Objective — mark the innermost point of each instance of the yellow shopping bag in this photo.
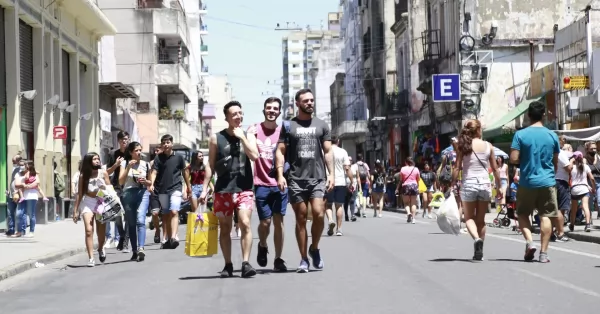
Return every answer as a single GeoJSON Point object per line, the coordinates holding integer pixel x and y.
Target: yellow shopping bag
{"type": "Point", "coordinates": [202, 235]}
{"type": "Point", "coordinates": [422, 186]}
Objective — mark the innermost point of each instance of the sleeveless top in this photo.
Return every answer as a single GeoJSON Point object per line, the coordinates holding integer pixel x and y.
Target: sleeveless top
{"type": "Point", "coordinates": [237, 176]}
{"type": "Point", "coordinates": [96, 183]}
{"type": "Point", "coordinates": [475, 165]}
{"type": "Point", "coordinates": [266, 141]}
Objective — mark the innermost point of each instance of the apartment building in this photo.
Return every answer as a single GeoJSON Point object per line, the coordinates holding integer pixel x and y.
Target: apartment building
{"type": "Point", "coordinates": [157, 54]}
{"type": "Point", "coordinates": [218, 92]}
{"type": "Point", "coordinates": [327, 62]}
{"type": "Point", "coordinates": [48, 88]}
{"type": "Point", "coordinates": [298, 53]}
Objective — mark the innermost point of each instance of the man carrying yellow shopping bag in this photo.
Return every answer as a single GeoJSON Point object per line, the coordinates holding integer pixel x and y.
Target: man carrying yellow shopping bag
{"type": "Point", "coordinates": [229, 155]}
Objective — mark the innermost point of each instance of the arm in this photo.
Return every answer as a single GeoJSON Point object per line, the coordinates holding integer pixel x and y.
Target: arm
{"type": "Point", "coordinates": [113, 164]}
{"type": "Point", "coordinates": [329, 157]}
{"type": "Point", "coordinates": [154, 172]}
{"type": "Point", "coordinates": [515, 149]}
{"type": "Point", "coordinates": [495, 169]}
{"type": "Point", "coordinates": [34, 184]}
{"type": "Point", "coordinates": [555, 161]}
{"type": "Point", "coordinates": [592, 180]}
{"type": "Point", "coordinates": [186, 178]}
{"type": "Point", "coordinates": [212, 159]}
{"type": "Point", "coordinates": [442, 165]}
{"type": "Point", "coordinates": [79, 197]}
{"type": "Point", "coordinates": [456, 171]}
{"type": "Point", "coordinates": [249, 143]}
{"type": "Point", "coordinates": [280, 159]}
{"type": "Point", "coordinates": [107, 179]}
{"type": "Point", "coordinates": [124, 172]}
{"type": "Point", "coordinates": [348, 171]}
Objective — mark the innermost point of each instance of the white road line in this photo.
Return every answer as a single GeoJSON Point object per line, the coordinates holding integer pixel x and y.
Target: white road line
{"type": "Point", "coordinates": [559, 282]}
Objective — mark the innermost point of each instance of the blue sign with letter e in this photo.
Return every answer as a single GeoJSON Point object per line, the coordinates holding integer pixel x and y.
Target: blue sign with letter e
{"type": "Point", "coordinates": [446, 87]}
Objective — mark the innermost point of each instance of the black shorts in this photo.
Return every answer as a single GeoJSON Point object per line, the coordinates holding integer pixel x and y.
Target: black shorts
{"type": "Point", "coordinates": [563, 195]}
{"type": "Point", "coordinates": [154, 203]}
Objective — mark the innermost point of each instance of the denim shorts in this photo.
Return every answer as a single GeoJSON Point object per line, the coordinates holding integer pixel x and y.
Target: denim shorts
{"type": "Point", "coordinates": [167, 202]}
{"type": "Point", "coordinates": [270, 200]}
{"type": "Point", "coordinates": [476, 189]}
{"type": "Point", "coordinates": [196, 191]}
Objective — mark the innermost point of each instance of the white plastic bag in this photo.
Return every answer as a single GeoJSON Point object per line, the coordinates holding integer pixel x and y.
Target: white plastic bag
{"type": "Point", "coordinates": [448, 217]}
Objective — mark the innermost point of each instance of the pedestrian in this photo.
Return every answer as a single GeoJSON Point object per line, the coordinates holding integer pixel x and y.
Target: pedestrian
{"type": "Point", "coordinates": [429, 179]}
{"type": "Point", "coordinates": [378, 178]}
{"type": "Point", "coordinates": [134, 177]}
{"type": "Point", "coordinates": [365, 185]}
{"type": "Point", "coordinates": [343, 184]}
{"type": "Point", "coordinates": [581, 174]}
{"type": "Point", "coordinates": [536, 149]}
{"type": "Point", "coordinates": [351, 194]}
{"type": "Point", "coordinates": [474, 157]}
{"type": "Point", "coordinates": [91, 180]}
{"type": "Point", "coordinates": [28, 184]}
{"type": "Point", "coordinates": [230, 153]}
{"type": "Point", "coordinates": [563, 188]}
{"type": "Point", "coordinates": [271, 203]}
{"type": "Point", "coordinates": [168, 173]}
{"type": "Point", "coordinates": [308, 144]}
{"type": "Point", "coordinates": [409, 188]}
{"type": "Point", "coordinates": [593, 160]}
{"type": "Point", "coordinates": [113, 167]}
{"type": "Point", "coordinates": [15, 209]}
{"type": "Point", "coordinates": [197, 173]}
{"type": "Point", "coordinates": [155, 208]}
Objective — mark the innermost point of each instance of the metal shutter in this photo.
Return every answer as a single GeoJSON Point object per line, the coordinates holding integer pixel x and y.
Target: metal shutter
{"type": "Point", "coordinates": [26, 67]}
{"type": "Point", "coordinates": [2, 61]}
{"type": "Point", "coordinates": [66, 89]}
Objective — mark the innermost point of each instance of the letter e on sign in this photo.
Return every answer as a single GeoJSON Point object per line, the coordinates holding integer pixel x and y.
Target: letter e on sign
{"type": "Point", "coordinates": [60, 132]}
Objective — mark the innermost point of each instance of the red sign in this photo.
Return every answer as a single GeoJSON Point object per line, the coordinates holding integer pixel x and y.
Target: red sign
{"type": "Point", "coordinates": [60, 132]}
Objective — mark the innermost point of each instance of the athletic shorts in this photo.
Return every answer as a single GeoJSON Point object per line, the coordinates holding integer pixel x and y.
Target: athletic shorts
{"type": "Point", "coordinates": [563, 195]}
{"type": "Point", "coordinates": [304, 190]}
{"type": "Point", "coordinates": [227, 203]}
{"type": "Point", "coordinates": [270, 200]}
{"type": "Point", "coordinates": [337, 195]}
{"type": "Point", "coordinates": [543, 199]}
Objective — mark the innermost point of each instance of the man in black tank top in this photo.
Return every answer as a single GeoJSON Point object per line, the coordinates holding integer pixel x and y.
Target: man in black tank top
{"type": "Point", "coordinates": [229, 155]}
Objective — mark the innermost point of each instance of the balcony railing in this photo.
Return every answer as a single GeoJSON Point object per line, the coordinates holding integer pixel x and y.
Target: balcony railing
{"type": "Point", "coordinates": [159, 4]}
{"type": "Point", "coordinates": [397, 103]}
{"type": "Point", "coordinates": [204, 28]}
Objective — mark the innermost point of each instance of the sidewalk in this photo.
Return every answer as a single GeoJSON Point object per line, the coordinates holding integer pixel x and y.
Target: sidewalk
{"type": "Point", "coordinates": [52, 242]}
{"type": "Point", "coordinates": [578, 234]}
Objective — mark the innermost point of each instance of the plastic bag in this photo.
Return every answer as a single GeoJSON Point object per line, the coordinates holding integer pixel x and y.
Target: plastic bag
{"type": "Point", "coordinates": [448, 217]}
{"type": "Point", "coordinates": [202, 234]}
{"type": "Point", "coordinates": [437, 199]}
{"type": "Point", "coordinates": [109, 206]}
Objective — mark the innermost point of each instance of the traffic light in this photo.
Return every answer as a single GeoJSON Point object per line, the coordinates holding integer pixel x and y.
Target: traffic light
{"type": "Point", "coordinates": [567, 82]}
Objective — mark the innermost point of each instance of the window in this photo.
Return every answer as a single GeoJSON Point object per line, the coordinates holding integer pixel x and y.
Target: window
{"type": "Point", "coordinates": [296, 53]}
{"type": "Point", "coordinates": [296, 77]}
{"type": "Point", "coordinates": [295, 41]}
{"type": "Point", "coordinates": [296, 65]}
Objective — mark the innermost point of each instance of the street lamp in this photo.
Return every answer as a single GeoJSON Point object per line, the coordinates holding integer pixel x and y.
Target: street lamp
{"type": "Point", "coordinates": [29, 95]}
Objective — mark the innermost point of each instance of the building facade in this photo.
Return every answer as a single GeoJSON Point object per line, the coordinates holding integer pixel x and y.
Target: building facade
{"type": "Point", "coordinates": [219, 93]}
{"type": "Point", "coordinates": [154, 53]}
{"type": "Point", "coordinates": [327, 63]}
{"type": "Point", "coordinates": [49, 78]}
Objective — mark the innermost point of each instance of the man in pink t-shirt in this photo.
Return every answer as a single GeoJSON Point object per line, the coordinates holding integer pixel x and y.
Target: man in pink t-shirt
{"type": "Point", "coordinates": [271, 203]}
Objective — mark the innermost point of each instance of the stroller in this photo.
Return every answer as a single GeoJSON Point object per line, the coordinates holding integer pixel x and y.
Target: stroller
{"type": "Point", "coordinates": [506, 212]}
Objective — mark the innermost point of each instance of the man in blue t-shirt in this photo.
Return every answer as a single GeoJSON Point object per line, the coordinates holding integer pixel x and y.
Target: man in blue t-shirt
{"type": "Point", "coordinates": [536, 149]}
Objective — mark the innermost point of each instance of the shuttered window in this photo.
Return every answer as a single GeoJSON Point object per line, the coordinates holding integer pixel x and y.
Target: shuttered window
{"type": "Point", "coordinates": [26, 67]}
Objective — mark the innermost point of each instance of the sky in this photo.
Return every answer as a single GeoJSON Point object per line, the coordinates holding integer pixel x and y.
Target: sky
{"type": "Point", "coordinates": [244, 45]}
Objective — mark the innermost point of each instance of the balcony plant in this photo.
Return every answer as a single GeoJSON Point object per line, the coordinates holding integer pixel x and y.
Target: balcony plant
{"type": "Point", "coordinates": [165, 114]}
{"type": "Point", "coordinates": [179, 115]}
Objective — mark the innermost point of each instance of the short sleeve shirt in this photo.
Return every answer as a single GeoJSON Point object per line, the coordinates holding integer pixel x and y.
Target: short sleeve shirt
{"type": "Point", "coordinates": [305, 148]}
{"type": "Point", "coordinates": [563, 161]}
{"type": "Point", "coordinates": [536, 146]}
{"type": "Point", "coordinates": [139, 170]}
{"type": "Point", "coordinates": [169, 170]}
{"type": "Point", "coordinates": [340, 160]}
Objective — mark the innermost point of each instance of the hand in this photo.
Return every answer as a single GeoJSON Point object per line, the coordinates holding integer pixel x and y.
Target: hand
{"type": "Point", "coordinates": [151, 188]}
{"type": "Point", "coordinates": [330, 183]}
{"type": "Point", "coordinates": [75, 216]}
{"type": "Point", "coordinates": [252, 130]}
{"type": "Point", "coordinates": [239, 133]}
{"type": "Point", "coordinates": [184, 195]}
{"type": "Point", "coordinates": [351, 188]}
{"type": "Point", "coordinates": [131, 163]}
{"type": "Point", "coordinates": [282, 184]}
{"type": "Point", "coordinates": [202, 198]}
{"type": "Point", "coordinates": [499, 193]}
{"type": "Point", "coordinates": [118, 161]}
{"type": "Point", "coordinates": [142, 181]}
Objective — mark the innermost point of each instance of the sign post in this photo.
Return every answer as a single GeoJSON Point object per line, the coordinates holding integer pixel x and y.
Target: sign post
{"type": "Point", "coordinates": [446, 87]}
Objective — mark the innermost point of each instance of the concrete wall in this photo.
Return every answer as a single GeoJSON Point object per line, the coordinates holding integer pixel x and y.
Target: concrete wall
{"type": "Point", "coordinates": [66, 33]}
{"type": "Point", "coordinates": [219, 97]}
{"type": "Point", "coordinates": [355, 98]}
{"type": "Point", "coordinates": [329, 64]}
{"type": "Point", "coordinates": [194, 22]}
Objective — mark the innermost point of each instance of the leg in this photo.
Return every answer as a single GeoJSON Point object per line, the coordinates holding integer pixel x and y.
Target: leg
{"type": "Point", "coordinates": [141, 220]}
{"type": "Point", "coordinates": [225, 224]}
{"type": "Point", "coordinates": [347, 198]}
{"type": "Point", "coordinates": [100, 231]}
{"type": "Point", "coordinates": [413, 205]}
{"type": "Point", "coordinates": [380, 204]}
{"type": "Point", "coordinates": [88, 223]}
{"type": "Point", "coordinates": [244, 216]}
{"type": "Point", "coordinates": [175, 200]}
{"type": "Point", "coordinates": [12, 211]}
{"type": "Point", "coordinates": [22, 220]}
{"type": "Point", "coordinates": [300, 210]}
{"type": "Point", "coordinates": [278, 234]}
{"type": "Point", "coordinates": [586, 210]}
{"type": "Point", "coordinates": [318, 223]}
{"type": "Point", "coordinates": [429, 199]}
{"type": "Point", "coordinates": [469, 210]}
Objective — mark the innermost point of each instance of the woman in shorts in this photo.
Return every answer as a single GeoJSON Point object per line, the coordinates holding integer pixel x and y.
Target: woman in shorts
{"type": "Point", "coordinates": [429, 179]}
{"type": "Point", "coordinates": [580, 189]}
{"type": "Point", "coordinates": [409, 188]}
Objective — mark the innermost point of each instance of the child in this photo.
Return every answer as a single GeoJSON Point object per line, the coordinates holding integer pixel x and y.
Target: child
{"type": "Point", "coordinates": [513, 190]}
{"type": "Point", "coordinates": [38, 188]}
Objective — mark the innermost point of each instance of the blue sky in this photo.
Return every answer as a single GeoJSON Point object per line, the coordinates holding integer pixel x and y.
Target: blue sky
{"type": "Point", "coordinates": [243, 44]}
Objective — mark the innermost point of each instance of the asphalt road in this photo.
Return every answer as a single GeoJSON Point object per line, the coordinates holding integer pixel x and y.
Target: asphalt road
{"type": "Point", "coordinates": [379, 266]}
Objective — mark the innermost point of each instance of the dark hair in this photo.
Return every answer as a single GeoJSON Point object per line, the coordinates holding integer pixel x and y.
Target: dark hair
{"type": "Point", "coordinates": [335, 140]}
{"type": "Point", "coordinates": [536, 111]}
{"type": "Point", "coordinates": [131, 147]}
{"type": "Point", "coordinates": [195, 164]}
{"type": "Point", "coordinates": [272, 100]}
{"type": "Point", "coordinates": [122, 134]}
{"type": "Point", "coordinates": [86, 170]}
{"type": "Point", "coordinates": [31, 167]}
{"type": "Point", "coordinates": [229, 105]}
{"type": "Point", "coordinates": [302, 92]}
{"type": "Point", "coordinates": [359, 157]}
{"type": "Point", "coordinates": [409, 161]}
{"type": "Point", "coordinates": [166, 137]}
{"type": "Point", "coordinates": [469, 131]}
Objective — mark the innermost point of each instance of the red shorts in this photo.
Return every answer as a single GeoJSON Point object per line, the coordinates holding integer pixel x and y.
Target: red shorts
{"type": "Point", "coordinates": [226, 203]}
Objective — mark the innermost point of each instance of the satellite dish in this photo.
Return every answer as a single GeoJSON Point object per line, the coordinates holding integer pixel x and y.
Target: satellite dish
{"type": "Point", "coordinates": [70, 108]}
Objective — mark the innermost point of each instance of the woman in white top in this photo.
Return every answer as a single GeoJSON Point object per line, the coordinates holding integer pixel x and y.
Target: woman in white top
{"type": "Point", "coordinates": [135, 179]}
{"type": "Point", "coordinates": [503, 169]}
{"type": "Point", "coordinates": [91, 180]}
{"type": "Point", "coordinates": [474, 157]}
{"type": "Point", "coordinates": [29, 185]}
{"type": "Point", "coordinates": [580, 189]}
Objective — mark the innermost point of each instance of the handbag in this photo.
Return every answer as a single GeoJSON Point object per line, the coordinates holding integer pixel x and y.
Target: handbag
{"type": "Point", "coordinates": [202, 234]}
{"type": "Point", "coordinates": [422, 186]}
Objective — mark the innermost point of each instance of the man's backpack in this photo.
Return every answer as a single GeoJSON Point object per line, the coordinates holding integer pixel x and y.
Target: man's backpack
{"type": "Point", "coordinates": [59, 182]}
{"type": "Point", "coordinates": [446, 175]}
{"type": "Point", "coordinates": [362, 172]}
{"type": "Point", "coordinates": [285, 125]}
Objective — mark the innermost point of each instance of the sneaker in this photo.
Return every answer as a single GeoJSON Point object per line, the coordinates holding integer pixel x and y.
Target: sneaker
{"type": "Point", "coordinates": [413, 221]}
{"type": "Point", "coordinates": [562, 238]}
{"type": "Point", "coordinates": [227, 271]}
{"type": "Point", "coordinates": [553, 237]}
{"type": "Point", "coordinates": [409, 218]}
{"type": "Point", "coordinates": [247, 270]}
{"type": "Point", "coordinates": [29, 235]}
{"type": "Point", "coordinates": [353, 218]}
{"type": "Point", "coordinates": [587, 228]}
{"type": "Point", "coordinates": [529, 252]}
{"type": "Point", "coordinates": [478, 250]}
{"type": "Point", "coordinates": [316, 257]}
{"type": "Point", "coordinates": [126, 246]}
{"type": "Point", "coordinates": [544, 257]}
{"type": "Point", "coordinates": [339, 233]}
{"type": "Point", "coordinates": [173, 244]}
{"type": "Point", "coordinates": [91, 263]}
{"type": "Point", "coordinates": [304, 266]}
{"type": "Point", "coordinates": [380, 216]}
{"type": "Point", "coordinates": [157, 237]}
{"type": "Point", "coordinates": [141, 255]}
{"type": "Point", "coordinates": [429, 216]}
{"type": "Point", "coordinates": [261, 257]}
{"type": "Point", "coordinates": [571, 227]}
{"type": "Point", "coordinates": [134, 256]}
{"type": "Point", "coordinates": [364, 215]}
{"type": "Point", "coordinates": [279, 265]}
{"type": "Point", "coordinates": [166, 245]}
{"type": "Point", "coordinates": [102, 256]}
{"type": "Point", "coordinates": [120, 245]}
{"type": "Point", "coordinates": [331, 227]}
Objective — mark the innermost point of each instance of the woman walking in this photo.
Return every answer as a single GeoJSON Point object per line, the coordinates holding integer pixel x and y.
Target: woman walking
{"type": "Point", "coordinates": [135, 179]}
{"type": "Point", "coordinates": [474, 157]}
{"type": "Point", "coordinates": [581, 174]}
{"type": "Point", "coordinates": [429, 179]}
{"type": "Point", "coordinates": [197, 171]}
{"type": "Point", "coordinates": [503, 169]}
{"type": "Point", "coordinates": [91, 180]}
{"type": "Point", "coordinates": [409, 186]}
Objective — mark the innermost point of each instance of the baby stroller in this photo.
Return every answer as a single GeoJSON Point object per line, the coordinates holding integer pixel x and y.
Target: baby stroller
{"type": "Point", "coordinates": [505, 214]}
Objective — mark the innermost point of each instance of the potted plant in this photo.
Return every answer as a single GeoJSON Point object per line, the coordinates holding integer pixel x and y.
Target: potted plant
{"type": "Point", "coordinates": [165, 114]}
{"type": "Point", "coordinates": [179, 115]}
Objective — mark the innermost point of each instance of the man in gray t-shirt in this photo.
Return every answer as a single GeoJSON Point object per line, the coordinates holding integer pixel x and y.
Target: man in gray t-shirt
{"type": "Point", "coordinates": [307, 148]}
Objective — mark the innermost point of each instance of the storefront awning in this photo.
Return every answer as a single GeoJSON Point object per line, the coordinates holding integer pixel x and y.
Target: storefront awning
{"type": "Point", "coordinates": [117, 90]}
{"type": "Point", "coordinates": [584, 135]}
{"type": "Point", "coordinates": [496, 128]}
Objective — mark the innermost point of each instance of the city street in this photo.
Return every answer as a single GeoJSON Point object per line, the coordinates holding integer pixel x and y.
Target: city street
{"type": "Point", "coordinates": [378, 266]}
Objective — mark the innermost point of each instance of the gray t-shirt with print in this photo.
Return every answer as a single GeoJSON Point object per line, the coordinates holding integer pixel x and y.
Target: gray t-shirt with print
{"type": "Point", "coordinates": [305, 148]}
{"type": "Point", "coordinates": [139, 170]}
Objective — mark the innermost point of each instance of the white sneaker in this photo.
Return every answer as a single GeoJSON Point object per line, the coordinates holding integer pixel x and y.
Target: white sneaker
{"type": "Point", "coordinates": [29, 235]}
{"type": "Point", "coordinates": [91, 263]}
{"type": "Point", "coordinates": [380, 216]}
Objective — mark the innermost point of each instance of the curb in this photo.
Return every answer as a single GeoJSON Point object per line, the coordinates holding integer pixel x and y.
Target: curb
{"type": "Point", "coordinates": [583, 237]}
{"type": "Point", "coordinates": [22, 267]}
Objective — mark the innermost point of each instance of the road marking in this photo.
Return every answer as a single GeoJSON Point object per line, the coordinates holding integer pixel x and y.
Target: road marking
{"type": "Point", "coordinates": [559, 282]}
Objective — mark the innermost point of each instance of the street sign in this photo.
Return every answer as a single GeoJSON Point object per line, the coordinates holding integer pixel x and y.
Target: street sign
{"type": "Point", "coordinates": [576, 82]}
{"type": "Point", "coordinates": [60, 132]}
{"type": "Point", "coordinates": [446, 87]}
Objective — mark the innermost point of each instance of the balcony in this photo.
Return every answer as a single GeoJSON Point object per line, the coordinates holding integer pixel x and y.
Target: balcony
{"type": "Point", "coordinates": [352, 129]}
{"type": "Point", "coordinates": [204, 71]}
{"type": "Point", "coordinates": [209, 112]}
{"type": "Point", "coordinates": [204, 50]}
{"type": "Point", "coordinates": [172, 76]}
{"type": "Point", "coordinates": [203, 30]}
{"type": "Point", "coordinates": [170, 24]}
{"type": "Point", "coordinates": [203, 10]}
{"type": "Point", "coordinates": [160, 4]}
{"type": "Point", "coordinates": [88, 13]}
{"type": "Point", "coordinates": [397, 105]}
{"type": "Point", "coordinates": [182, 133]}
